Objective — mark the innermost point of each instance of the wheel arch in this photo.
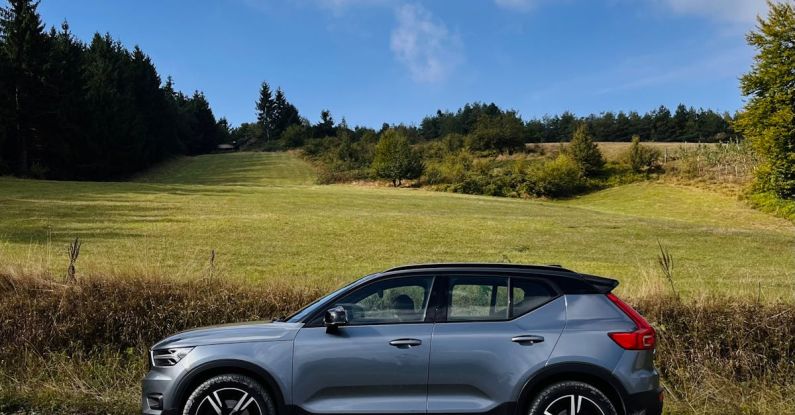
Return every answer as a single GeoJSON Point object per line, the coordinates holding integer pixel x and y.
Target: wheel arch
{"type": "Point", "coordinates": [596, 376]}
{"type": "Point", "coordinates": [205, 371]}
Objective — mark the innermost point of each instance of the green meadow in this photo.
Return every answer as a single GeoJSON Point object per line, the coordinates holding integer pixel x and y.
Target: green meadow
{"type": "Point", "coordinates": [267, 221]}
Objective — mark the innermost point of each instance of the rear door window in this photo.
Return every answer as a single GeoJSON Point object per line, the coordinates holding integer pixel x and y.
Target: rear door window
{"type": "Point", "coordinates": [477, 299]}
{"type": "Point", "coordinates": [484, 298]}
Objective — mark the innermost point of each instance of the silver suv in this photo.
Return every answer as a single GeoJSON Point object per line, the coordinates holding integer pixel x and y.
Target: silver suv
{"type": "Point", "coordinates": [423, 339]}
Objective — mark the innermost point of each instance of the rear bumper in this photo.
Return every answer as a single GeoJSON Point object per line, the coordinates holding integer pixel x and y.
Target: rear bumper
{"type": "Point", "coordinates": [645, 403]}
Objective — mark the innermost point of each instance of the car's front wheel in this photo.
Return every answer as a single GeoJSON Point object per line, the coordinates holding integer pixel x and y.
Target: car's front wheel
{"type": "Point", "coordinates": [229, 395]}
{"type": "Point", "coordinates": [571, 398]}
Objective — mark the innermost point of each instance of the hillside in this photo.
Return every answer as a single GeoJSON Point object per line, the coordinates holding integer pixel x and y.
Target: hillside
{"type": "Point", "coordinates": [266, 220]}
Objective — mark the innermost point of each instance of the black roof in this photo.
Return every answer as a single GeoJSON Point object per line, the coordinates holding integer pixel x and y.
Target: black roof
{"type": "Point", "coordinates": [570, 281]}
{"type": "Point", "coordinates": [475, 265]}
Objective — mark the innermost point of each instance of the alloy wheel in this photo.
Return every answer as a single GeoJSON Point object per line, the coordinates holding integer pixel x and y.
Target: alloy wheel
{"type": "Point", "coordinates": [229, 401]}
{"type": "Point", "coordinates": [573, 405]}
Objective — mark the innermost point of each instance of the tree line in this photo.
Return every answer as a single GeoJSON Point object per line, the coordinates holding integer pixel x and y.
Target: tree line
{"type": "Point", "coordinates": [488, 127]}
{"type": "Point", "coordinates": [683, 124]}
{"type": "Point", "coordinates": [491, 128]}
{"type": "Point", "coordinates": [96, 111]}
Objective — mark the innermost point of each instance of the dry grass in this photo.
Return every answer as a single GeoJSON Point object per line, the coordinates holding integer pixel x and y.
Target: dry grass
{"type": "Point", "coordinates": [614, 151]}
{"type": "Point", "coordinates": [80, 348]}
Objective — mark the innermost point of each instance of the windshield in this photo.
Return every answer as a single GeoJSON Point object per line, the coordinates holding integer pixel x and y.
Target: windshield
{"type": "Point", "coordinates": [303, 313]}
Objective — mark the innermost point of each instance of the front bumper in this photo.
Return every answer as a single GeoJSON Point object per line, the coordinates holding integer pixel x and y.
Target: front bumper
{"type": "Point", "coordinates": [645, 403]}
{"type": "Point", "coordinates": [158, 383]}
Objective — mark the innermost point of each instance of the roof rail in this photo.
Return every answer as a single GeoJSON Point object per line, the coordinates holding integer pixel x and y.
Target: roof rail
{"type": "Point", "coordinates": [478, 265]}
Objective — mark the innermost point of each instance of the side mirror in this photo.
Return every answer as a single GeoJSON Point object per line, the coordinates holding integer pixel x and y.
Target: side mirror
{"type": "Point", "coordinates": [335, 317]}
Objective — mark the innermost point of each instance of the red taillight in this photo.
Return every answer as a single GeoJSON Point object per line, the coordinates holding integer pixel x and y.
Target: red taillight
{"type": "Point", "coordinates": [643, 338]}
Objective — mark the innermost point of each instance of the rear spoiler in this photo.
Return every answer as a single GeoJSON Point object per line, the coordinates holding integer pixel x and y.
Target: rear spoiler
{"type": "Point", "coordinates": [601, 284]}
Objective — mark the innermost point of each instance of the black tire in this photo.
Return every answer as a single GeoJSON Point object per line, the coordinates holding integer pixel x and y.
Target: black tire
{"type": "Point", "coordinates": [224, 393]}
{"type": "Point", "coordinates": [557, 399]}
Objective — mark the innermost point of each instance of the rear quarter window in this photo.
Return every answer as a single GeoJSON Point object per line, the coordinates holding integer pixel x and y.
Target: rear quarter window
{"type": "Point", "coordinates": [529, 294]}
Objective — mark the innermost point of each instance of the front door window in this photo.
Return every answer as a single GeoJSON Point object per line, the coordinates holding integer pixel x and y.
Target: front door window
{"type": "Point", "coordinates": [392, 301]}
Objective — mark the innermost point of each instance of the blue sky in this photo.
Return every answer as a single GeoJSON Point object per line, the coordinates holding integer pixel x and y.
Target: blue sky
{"type": "Point", "coordinates": [373, 61]}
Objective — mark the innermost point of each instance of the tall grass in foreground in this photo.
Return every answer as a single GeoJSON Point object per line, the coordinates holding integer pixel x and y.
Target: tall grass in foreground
{"type": "Point", "coordinates": [80, 348]}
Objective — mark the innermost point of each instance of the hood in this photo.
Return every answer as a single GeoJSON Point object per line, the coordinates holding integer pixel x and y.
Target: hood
{"type": "Point", "coordinates": [231, 333]}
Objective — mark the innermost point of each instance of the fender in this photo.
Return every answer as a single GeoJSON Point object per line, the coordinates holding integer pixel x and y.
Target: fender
{"type": "Point", "coordinates": [573, 368]}
{"type": "Point", "coordinates": [229, 365]}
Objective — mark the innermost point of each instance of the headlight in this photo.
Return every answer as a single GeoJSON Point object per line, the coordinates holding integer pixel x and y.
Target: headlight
{"type": "Point", "coordinates": [169, 357]}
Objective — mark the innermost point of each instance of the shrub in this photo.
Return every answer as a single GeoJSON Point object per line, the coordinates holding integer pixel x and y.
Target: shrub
{"type": "Point", "coordinates": [314, 147]}
{"type": "Point", "coordinates": [497, 183]}
{"type": "Point", "coordinates": [642, 158]}
{"type": "Point", "coordinates": [584, 151]}
{"type": "Point", "coordinates": [449, 144]}
{"type": "Point", "coordinates": [295, 136]}
{"type": "Point", "coordinates": [559, 177]}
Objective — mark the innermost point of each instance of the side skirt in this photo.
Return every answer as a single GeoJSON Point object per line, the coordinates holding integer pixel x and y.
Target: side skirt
{"type": "Point", "coordinates": [507, 408]}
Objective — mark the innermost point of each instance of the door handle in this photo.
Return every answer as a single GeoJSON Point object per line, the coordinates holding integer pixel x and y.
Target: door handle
{"type": "Point", "coordinates": [529, 339]}
{"type": "Point", "coordinates": [405, 343]}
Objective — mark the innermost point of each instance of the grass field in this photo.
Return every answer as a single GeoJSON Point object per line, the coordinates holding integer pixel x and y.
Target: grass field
{"type": "Point", "coordinates": [266, 220]}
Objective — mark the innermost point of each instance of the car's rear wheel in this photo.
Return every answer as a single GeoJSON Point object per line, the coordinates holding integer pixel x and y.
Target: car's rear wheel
{"type": "Point", "coordinates": [229, 395]}
{"type": "Point", "coordinates": [571, 398]}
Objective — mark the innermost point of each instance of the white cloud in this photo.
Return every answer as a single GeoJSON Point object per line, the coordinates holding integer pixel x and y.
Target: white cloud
{"type": "Point", "coordinates": [518, 5]}
{"type": "Point", "coordinates": [424, 46]}
{"type": "Point", "coordinates": [340, 6]}
{"type": "Point", "coordinates": [730, 10]}
{"type": "Point", "coordinates": [741, 11]}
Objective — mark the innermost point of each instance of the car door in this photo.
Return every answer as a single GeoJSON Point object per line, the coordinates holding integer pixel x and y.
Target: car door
{"type": "Point", "coordinates": [493, 333]}
{"type": "Point", "coordinates": [378, 362]}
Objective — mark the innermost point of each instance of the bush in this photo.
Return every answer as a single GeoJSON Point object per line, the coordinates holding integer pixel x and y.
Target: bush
{"type": "Point", "coordinates": [559, 177]}
{"type": "Point", "coordinates": [439, 149]}
{"type": "Point", "coordinates": [498, 183]}
{"type": "Point", "coordinates": [452, 168]}
{"type": "Point", "coordinates": [295, 136]}
{"type": "Point", "coordinates": [641, 158]}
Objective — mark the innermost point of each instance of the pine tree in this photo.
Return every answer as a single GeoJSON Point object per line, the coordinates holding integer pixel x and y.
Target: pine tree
{"type": "Point", "coordinates": [585, 151]}
{"type": "Point", "coordinates": [23, 49]}
{"type": "Point", "coordinates": [204, 127]}
{"type": "Point", "coordinates": [325, 128]}
{"type": "Point", "coordinates": [662, 127]}
{"type": "Point", "coordinates": [63, 133]}
{"type": "Point", "coordinates": [768, 120]}
{"type": "Point", "coordinates": [265, 111]}
{"type": "Point", "coordinates": [285, 114]}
